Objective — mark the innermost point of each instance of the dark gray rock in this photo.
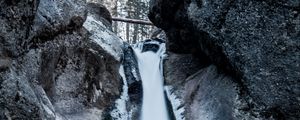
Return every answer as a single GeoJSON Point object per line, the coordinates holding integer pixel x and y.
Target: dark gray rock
{"type": "Point", "coordinates": [151, 44]}
{"type": "Point", "coordinates": [132, 74]}
{"type": "Point", "coordinates": [210, 96]}
{"type": "Point", "coordinates": [16, 18]}
{"type": "Point", "coordinates": [178, 67]}
{"type": "Point", "coordinates": [57, 17]}
{"type": "Point", "coordinates": [52, 65]}
{"type": "Point", "coordinates": [21, 96]}
{"type": "Point", "coordinates": [255, 42]}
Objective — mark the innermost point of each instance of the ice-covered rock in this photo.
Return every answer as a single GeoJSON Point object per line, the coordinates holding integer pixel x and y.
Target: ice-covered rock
{"type": "Point", "coordinates": [104, 37]}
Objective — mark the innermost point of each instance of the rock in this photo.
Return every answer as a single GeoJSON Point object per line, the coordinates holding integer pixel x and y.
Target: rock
{"type": "Point", "coordinates": [178, 67]}
{"type": "Point", "coordinates": [16, 18]}
{"type": "Point", "coordinates": [132, 74]}
{"type": "Point", "coordinates": [102, 36]}
{"type": "Point", "coordinates": [56, 17]}
{"type": "Point", "coordinates": [255, 42]}
{"type": "Point", "coordinates": [52, 65]}
{"type": "Point", "coordinates": [5, 63]}
{"type": "Point", "coordinates": [209, 96]}
{"type": "Point", "coordinates": [100, 13]}
{"type": "Point", "coordinates": [158, 33]}
{"type": "Point", "coordinates": [21, 97]}
{"type": "Point", "coordinates": [150, 44]}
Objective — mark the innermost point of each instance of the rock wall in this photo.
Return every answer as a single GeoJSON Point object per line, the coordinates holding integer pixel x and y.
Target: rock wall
{"type": "Point", "coordinates": [58, 61]}
{"type": "Point", "coordinates": [256, 43]}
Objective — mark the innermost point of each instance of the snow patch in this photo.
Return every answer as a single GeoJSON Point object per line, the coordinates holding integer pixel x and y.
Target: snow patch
{"type": "Point", "coordinates": [97, 93]}
{"type": "Point", "coordinates": [104, 37]}
{"type": "Point", "coordinates": [48, 110]}
{"type": "Point", "coordinates": [176, 103]}
{"type": "Point", "coordinates": [120, 112]}
{"type": "Point", "coordinates": [86, 114]}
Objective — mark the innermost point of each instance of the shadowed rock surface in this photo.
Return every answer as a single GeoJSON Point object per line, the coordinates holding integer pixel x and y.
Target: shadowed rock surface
{"type": "Point", "coordinates": [54, 63]}
{"type": "Point", "coordinates": [255, 42]}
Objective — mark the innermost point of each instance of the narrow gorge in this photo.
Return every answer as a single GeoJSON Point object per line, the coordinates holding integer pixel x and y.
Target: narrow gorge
{"type": "Point", "coordinates": [210, 60]}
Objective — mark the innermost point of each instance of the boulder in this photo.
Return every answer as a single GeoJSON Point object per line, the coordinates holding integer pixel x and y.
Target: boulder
{"type": "Point", "coordinates": [54, 66]}
{"type": "Point", "coordinates": [254, 42]}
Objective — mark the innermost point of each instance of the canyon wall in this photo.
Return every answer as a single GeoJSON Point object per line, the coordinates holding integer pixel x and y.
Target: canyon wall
{"type": "Point", "coordinates": [59, 60]}
{"type": "Point", "coordinates": [251, 47]}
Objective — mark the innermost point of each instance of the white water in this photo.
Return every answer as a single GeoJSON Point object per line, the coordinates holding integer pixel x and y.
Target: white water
{"type": "Point", "coordinates": [154, 105]}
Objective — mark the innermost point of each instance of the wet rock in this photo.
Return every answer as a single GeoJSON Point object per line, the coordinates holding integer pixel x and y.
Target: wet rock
{"type": "Point", "coordinates": [132, 75]}
{"type": "Point", "coordinates": [209, 96]}
{"type": "Point", "coordinates": [151, 44]}
{"type": "Point", "coordinates": [255, 42]}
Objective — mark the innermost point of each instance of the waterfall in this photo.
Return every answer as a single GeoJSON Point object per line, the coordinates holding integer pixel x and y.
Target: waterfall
{"type": "Point", "coordinates": [149, 55]}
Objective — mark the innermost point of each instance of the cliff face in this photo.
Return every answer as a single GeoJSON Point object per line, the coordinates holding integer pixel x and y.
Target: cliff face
{"type": "Point", "coordinates": [57, 60]}
{"type": "Point", "coordinates": [256, 43]}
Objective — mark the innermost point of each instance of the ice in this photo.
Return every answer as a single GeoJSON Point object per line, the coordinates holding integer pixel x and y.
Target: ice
{"type": "Point", "coordinates": [120, 112]}
{"type": "Point", "coordinates": [176, 103]}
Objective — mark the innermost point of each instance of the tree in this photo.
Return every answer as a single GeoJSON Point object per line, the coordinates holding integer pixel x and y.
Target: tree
{"type": "Point", "coordinates": [133, 9]}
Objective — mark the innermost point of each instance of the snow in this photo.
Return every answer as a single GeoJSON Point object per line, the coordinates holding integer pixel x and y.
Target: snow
{"type": "Point", "coordinates": [86, 114]}
{"type": "Point", "coordinates": [154, 104]}
{"type": "Point", "coordinates": [104, 37]}
{"type": "Point", "coordinates": [59, 117]}
{"type": "Point", "coordinates": [176, 103]}
{"type": "Point", "coordinates": [48, 110]}
{"type": "Point", "coordinates": [97, 93]}
{"type": "Point", "coordinates": [120, 112]}
{"type": "Point", "coordinates": [134, 72]}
